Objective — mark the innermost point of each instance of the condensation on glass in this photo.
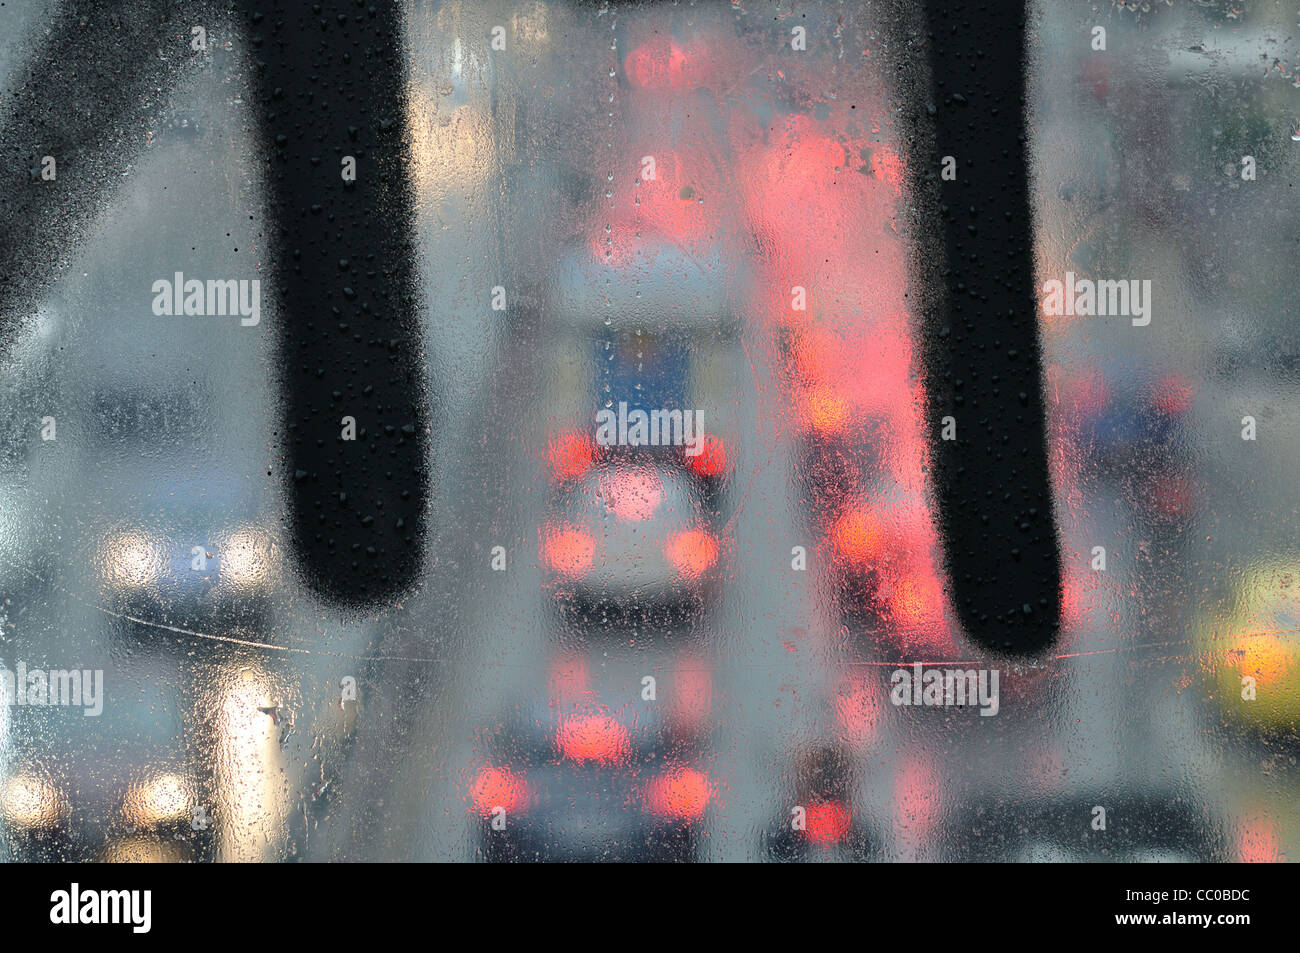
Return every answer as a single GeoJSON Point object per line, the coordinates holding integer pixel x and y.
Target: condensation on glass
{"type": "Point", "coordinates": [681, 534]}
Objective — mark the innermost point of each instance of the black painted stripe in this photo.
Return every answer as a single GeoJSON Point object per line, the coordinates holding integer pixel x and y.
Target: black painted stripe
{"type": "Point", "coordinates": [83, 99]}
{"type": "Point", "coordinates": [980, 337]}
{"type": "Point", "coordinates": [330, 82]}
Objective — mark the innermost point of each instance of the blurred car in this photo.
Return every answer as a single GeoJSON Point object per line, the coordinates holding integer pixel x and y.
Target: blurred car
{"type": "Point", "coordinates": [1126, 416]}
{"type": "Point", "coordinates": [1150, 827]}
{"type": "Point", "coordinates": [882, 547]}
{"type": "Point", "coordinates": [185, 541]}
{"type": "Point", "coordinates": [1132, 424]}
{"type": "Point", "coordinates": [125, 785]}
{"type": "Point", "coordinates": [821, 824]}
{"type": "Point", "coordinates": [630, 538]}
{"type": "Point", "coordinates": [202, 570]}
{"type": "Point", "coordinates": [585, 779]}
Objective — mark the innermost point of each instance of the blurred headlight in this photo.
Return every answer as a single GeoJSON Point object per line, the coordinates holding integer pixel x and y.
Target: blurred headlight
{"type": "Point", "coordinates": [161, 798]}
{"type": "Point", "coordinates": [28, 800]}
{"type": "Point", "coordinates": [145, 850]}
{"type": "Point", "coordinates": [246, 560]}
{"type": "Point", "coordinates": [130, 560]}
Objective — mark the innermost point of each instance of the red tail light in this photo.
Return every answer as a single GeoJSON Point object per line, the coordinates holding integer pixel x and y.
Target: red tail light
{"type": "Point", "coordinates": [827, 823]}
{"type": "Point", "coordinates": [570, 455]}
{"type": "Point", "coordinates": [711, 461]}
{"type": "Point", "coordinates": [1257, 843]}
{"type": "Point", "coordinates": [569, 551]}
{"type": "Point", "coordinates": [916, 597]}
{"type": "Point", "coordinates": [681, 794]}
{"type": "Point", "coordinates": [692, 552]}
{"type": "Point", "coordinates": [599, 738]}
{"type": "Point", "coordinates": [860, 537]}
{"type": "Point", "coordinates": [500, 787]}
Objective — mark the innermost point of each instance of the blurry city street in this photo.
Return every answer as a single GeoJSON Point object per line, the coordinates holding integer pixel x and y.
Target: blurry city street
{"type": "Point", "coordinates": [683, 650]}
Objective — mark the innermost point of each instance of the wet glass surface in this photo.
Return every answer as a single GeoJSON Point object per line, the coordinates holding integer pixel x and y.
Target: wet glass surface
{"type": "Point", "coordinates": [677, 553]}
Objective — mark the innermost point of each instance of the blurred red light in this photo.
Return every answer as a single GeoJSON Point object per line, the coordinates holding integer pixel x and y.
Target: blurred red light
{"type": "Point", "coordinates": [916, 598]}
{"type": "Point", "coordinates": [661, 63]}
{"type": "Point", "coordinates": [569, 551]}
{"type": "Point", "coordinates": [887, 166]}
{"type": "Point", "coordinates": [598, 738]}
{"type": "Point", "coordinates": [1083, 393]}
{"type": "Point", "coordinates": [827, 823]}
{"type": "Point", "coordinates": [860, 537]}
{"type": "Point", "coordinates": [500, 787]}
{"type": "Point", "coordinates": [711, 461]}
{"type": "Point", "coordinates": [692, 552]}
{"type": "Point", "coordinates": [1257, 843]}
{"type": "Point", "coordinates": [680, 793]}
{"type": "Point", "coordinates": [815, 354]}
{"type": "Point", "coordinates": [1174, 395]}
{"type": "Point", "coordinates": [570, 455]}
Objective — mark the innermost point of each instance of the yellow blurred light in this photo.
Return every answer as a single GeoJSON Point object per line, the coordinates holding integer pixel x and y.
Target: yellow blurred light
{"type": "Point", "coordinates": [450, 150]}
{"type": "Point", "coordinates": [162, 797]}
{"type": "Point", "coordinates": [1269, 658]}
{"type": "Point", "coordinates": [28, 800]}
{"type": "Point", "coordinates": [826, 410]}
{"type": "Point", "coordinates": [1252, 655]}
{"type": "Point", "coordinates": [145, 850]}
{"type": "Point", "coordinates": [245, 560]}
{"type": "Point", "coordinates": [253, 791]}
